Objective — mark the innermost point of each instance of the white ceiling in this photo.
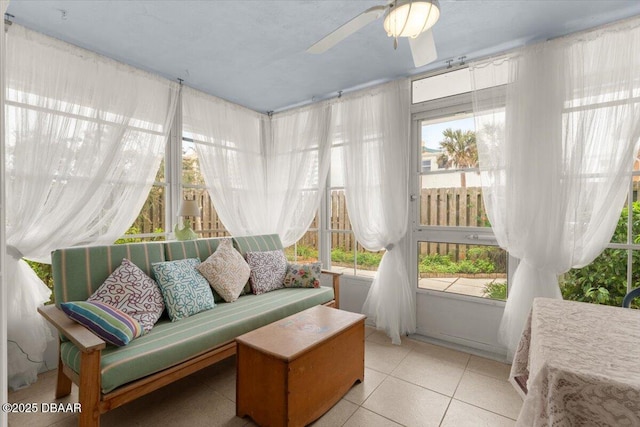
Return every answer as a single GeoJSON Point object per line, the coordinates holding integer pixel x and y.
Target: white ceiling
{"type": "Point", "coordinates": [253, 52]}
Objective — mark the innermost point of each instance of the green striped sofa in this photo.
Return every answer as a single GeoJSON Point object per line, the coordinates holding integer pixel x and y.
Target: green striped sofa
{"type": "Point", "coordinates": [109, 376]}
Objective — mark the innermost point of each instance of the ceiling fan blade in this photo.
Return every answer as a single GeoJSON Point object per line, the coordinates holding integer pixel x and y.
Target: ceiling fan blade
{"type": "Point", "coordinates": [347, 29]}
{"type": "Point", "coordinates": [423, 49]}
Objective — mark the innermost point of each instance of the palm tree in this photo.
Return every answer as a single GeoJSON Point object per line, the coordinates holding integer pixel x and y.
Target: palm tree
{"type": "Point", "coordinates": [459, 150]}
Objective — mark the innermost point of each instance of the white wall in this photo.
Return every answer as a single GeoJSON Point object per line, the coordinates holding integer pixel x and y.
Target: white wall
{"type": "Point", "coordinates": [462, 322]}
{"type": "Point", "coordinates": [465, 321]}
{"type": "Point", "coordinates": [353, 292]}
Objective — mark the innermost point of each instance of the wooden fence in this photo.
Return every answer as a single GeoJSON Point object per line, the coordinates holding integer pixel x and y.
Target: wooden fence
{"type": "Point", "coordinates": [438, 206]}
{"type": "Point", "coordinates": [453, 207]}
{"type": "Point", "coordinates": [152, 215]}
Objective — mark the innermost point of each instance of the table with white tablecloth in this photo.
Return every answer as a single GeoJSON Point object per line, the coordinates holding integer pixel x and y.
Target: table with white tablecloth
{"type": "Point", "coordinates": [578, 364]}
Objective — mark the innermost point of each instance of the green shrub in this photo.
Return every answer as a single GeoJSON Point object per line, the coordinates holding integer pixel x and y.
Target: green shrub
{"type": "Point", "coordinates": [436, 263]}
{"type": "Point", "coordinates": [340, 256]}
{"type": "Point", "coordinates": [495, 290]}
{"type": "Point", "coordinates": [44, 273]}
{"type": "Point", "coordinates": [369, 259]}
{"type": "Point", "coordinates": [304, 253]}
{"type": "Point", "coordinates": [604, 281]}
{"type": "Point", "coordinates": [477, 261]}
{"type": "Point", "coordinates": [365, 260]}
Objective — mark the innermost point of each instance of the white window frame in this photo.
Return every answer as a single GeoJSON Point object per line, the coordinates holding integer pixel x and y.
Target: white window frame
{"type": "Point", "coordinates": [446, 107]}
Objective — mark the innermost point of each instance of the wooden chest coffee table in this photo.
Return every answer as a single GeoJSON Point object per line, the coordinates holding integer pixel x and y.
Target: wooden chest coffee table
{"type": "Point", "coordinates": [292, 371]}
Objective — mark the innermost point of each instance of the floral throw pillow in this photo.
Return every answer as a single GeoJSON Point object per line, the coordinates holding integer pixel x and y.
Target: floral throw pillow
{"type": "Point", "coordinates": [185, 291]}
{"type": "Point", "coordinates": [268, 269]}
{"type": "Point", "coordinates": [303, 275]}
{"type": "Point", "coordinates": [131, 291]}
{"type": "Point", "coordinates": [226, 271]}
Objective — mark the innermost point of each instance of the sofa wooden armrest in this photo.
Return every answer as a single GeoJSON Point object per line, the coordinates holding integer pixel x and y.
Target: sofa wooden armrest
{"type": "Point", "coordinates": [82, 337]}
{"type": "Point", "coordinates": [335, 281]}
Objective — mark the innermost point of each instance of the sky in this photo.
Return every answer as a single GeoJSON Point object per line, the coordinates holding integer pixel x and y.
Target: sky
{"type": "Point", "coordinates": [432, 133]}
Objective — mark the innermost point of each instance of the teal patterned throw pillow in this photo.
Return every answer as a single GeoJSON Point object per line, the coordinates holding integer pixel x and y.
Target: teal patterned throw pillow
{"type": "Point", "coordinates": [184, 289]}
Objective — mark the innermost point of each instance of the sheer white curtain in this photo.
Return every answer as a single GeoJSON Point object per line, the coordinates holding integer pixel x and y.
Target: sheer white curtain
{"type": "Point", "coordinates": [3, 282]}
{"type": "Point", "coordinates": [556, 150]}
{"type": "Point", "coordinates": [374, 126]}
{"type": "Point", "coordinates": [84, 139]}
{"type": "Point", "coordinates": [229, 147]}
{"type": "Point", "coordinates": [265, 175]}
{"type": "Point", "coordinates": [297, 161]}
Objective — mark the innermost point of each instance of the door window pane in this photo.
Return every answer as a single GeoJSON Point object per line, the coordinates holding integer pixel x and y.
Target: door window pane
{"type": "Point", "coordinates": [474, 270]}
{"type": "Point", "coordinates": [450, 186]}
{"type": "Point", "coordinates": [453, 206]}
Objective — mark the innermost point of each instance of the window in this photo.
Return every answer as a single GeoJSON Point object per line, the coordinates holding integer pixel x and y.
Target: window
{"type": "Point", "coordinates": [194, 187]}
{"type": "Point", "coordinates": [456, 252]}
{"type": "Point", "coordinates": [617, 270]}
{"type": "Point", "coordinates": [476, 270]}
{"type": "Point", "coordinates": [151, 222]}
{"type": "Point", "coordinates": [346, 254]}
{"type": "Point", "coordinates": [441, 86]}
{"type": "Point", "coordinates": [307, 249]}
{"type": "Point", "coordinates": [451, 194]}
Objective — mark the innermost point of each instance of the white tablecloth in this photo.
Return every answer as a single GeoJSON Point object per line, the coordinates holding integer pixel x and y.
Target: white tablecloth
{"type": "Point", "coordinates": [582, 362]}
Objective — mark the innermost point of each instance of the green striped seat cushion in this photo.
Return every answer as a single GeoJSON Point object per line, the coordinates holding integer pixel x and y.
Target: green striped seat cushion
{"type": "Point", "coordinates": [171, 343]}
{"type": "Point", "coordinates": [268, 242]}
{"type": "Point", "coordinates": [200, 248]}
{"type": "Point", "coordinates": [79, 271]}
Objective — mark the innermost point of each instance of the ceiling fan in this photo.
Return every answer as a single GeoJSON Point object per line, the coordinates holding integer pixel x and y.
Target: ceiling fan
{"type": "Point", "coordinates": [403, 18]}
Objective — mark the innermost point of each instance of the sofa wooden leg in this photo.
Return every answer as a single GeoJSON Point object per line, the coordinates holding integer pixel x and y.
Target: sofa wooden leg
{"type": "Point", "coordinates": [89, 389]}
{"type": "Point", "coordinates": [63, 386]}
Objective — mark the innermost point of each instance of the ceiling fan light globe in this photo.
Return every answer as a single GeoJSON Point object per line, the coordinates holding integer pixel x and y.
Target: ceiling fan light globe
{"type": "Point", "coordinates": [411, 18]}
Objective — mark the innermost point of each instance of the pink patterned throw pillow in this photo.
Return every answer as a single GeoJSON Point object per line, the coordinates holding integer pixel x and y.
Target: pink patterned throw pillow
{"type": "Point", "coordinates": [268, 269]}
{"type": "Point", "coordinates": [130, 290]}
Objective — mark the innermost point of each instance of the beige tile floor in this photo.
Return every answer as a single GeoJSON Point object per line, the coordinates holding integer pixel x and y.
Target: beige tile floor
{"type": "Point", "coordinates": [415, 384]}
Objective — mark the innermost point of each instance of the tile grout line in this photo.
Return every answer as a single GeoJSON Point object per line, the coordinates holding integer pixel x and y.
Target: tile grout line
{"type": "Point", "coordinates": [486, 376]}
{"type": "Point", "coordinates": [485, 409]}
{"type": "Point", "coordinates": [444, 414]}
{"type": "Point", "coordinates": [466, 365]}
{"type": "Point", "coordinates": [387, 375]}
